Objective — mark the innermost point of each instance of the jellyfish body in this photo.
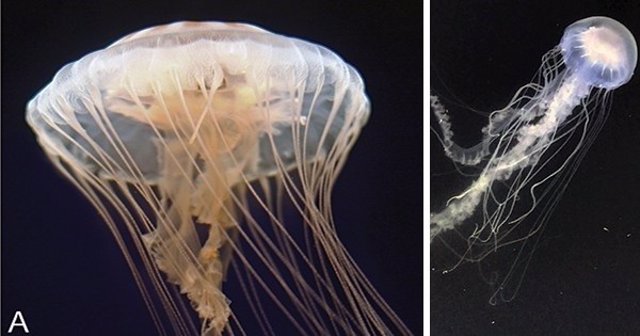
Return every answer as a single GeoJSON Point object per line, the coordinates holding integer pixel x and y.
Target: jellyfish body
{"type": "Point", "coordinates": [565, 108]}
{"type": "Point", "coordinates": [185, 128]}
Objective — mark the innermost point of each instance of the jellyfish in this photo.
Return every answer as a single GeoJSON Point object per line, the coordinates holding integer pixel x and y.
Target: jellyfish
{"type": "Point", "coordinates": [208, 147]}
{"type": "Point", "coordinates": [531, 148]}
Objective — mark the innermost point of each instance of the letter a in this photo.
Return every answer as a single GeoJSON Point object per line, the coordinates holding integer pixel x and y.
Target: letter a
{"type": "Point", "coordinates": [18, 321]}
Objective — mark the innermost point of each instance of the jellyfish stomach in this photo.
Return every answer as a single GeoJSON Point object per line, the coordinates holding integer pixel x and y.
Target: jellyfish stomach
{"type": "Point", "coordinates": [170, 104]}
{"type": "Point", "coordinates": [531, 142]}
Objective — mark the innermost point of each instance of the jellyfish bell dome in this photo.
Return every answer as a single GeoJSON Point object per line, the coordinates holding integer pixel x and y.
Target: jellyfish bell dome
{"type": "Point", "coordinates": [601, 51]}
{"type": "Point", "coordinates": [184, 82]}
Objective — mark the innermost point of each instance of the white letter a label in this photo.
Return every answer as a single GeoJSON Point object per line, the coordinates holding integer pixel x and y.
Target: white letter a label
{"type": "Point", "coordinates": [18, 322]}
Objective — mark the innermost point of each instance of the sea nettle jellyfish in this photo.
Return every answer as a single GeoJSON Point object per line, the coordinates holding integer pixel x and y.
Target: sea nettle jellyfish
{"type": "Point", "coordinates": [195, 141]}
{"type": "Point", "coordinates": [531, 148]}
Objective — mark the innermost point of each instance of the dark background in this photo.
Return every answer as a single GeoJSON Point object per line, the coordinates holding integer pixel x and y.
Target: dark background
{"type": "Point", "coordinates": [60, 265]}
{"type": "Point", "coordinates": [582, 280]}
